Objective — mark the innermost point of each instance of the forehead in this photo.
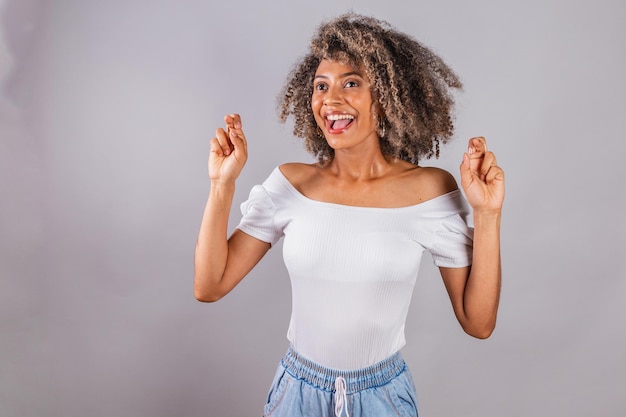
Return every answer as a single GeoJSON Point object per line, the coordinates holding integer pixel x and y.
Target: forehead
{"type": "Point", "coordinates": [334, 67]}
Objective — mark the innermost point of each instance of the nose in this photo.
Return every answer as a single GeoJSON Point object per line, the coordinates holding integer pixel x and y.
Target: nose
{"type": "Point", "coordinates": [332, 96]}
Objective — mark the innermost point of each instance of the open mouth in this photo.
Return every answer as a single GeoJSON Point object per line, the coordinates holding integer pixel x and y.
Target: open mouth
{"type": "Point", "coordinates": [337, 123]}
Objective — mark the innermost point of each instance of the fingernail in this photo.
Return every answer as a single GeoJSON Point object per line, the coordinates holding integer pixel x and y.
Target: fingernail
{"type": "Point", "coordinates": [470, 150]}
{"type": "Point", "coordinates": [237, 125]}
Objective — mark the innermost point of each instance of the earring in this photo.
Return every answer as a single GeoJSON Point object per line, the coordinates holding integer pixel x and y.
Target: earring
{"type": "Point", "coordinates": [381, 128]}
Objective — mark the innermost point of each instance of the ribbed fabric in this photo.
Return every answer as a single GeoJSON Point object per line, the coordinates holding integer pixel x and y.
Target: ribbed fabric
{"type": "Point", "coordinates": [353, 269]}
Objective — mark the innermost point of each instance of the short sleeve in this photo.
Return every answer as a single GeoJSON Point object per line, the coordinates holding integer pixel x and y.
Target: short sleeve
{"type": "Point", "coordinates": [453, 239]}
{"type": "Point", "coordinates": [258, 216]}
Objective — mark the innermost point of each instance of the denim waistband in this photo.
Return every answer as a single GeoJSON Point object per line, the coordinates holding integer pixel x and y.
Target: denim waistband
{"type": "Point", "coordinates": [356, 380]}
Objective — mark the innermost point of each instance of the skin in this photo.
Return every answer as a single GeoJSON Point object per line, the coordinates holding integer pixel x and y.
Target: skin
{"type": "Point", "coordinates": [358, 175]}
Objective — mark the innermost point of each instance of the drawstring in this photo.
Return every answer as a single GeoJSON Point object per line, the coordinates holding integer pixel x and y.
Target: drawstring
{"type": "Point", "coordinates": [341, 401]}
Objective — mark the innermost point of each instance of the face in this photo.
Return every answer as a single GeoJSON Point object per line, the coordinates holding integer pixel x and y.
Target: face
{"type": "Point", "coordinates": [342, 105]}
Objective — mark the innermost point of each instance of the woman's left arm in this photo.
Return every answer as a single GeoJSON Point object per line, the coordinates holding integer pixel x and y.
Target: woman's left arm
{"type": "Point", "coordinates": [475, 291]}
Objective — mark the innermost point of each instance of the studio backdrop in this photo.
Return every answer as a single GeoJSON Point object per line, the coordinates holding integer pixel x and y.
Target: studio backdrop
{"type": "Point", "coordinates": [106, 113]}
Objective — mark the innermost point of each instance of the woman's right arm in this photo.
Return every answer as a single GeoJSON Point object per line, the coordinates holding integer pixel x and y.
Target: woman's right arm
{"type": "Point", "coordinates": [221, 262]}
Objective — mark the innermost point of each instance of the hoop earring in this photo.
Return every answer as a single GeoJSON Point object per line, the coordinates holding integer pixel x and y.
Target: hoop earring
{"type": "Point", "coordinates": [381, 128]}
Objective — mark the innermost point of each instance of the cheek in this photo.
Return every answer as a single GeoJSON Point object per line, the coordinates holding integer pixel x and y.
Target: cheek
{"type": "Point", "coordinates": [368, 109]}
{"type": "Point", "coordinates": [316, 105]}
{"type": "Point", "coordinates": [316, 102]}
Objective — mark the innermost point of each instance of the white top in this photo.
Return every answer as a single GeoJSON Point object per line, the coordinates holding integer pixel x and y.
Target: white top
{"type": "Point", "coordinates": [353, 269]}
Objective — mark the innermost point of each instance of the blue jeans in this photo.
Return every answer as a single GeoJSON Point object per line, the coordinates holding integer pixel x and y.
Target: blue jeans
{"type": "Point", "coordinates": [302, 388]}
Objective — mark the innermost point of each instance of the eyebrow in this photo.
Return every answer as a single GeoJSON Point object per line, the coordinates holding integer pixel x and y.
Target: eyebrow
{"type": "Point", "coordinates": [346, 74]}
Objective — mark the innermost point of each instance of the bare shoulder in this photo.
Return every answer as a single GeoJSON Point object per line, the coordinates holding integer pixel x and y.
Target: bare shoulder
{"type": "Point", "coordinates": [403, 185]}
{"type": "Point", "coordinates": [440, 179]}
{"type": "Point", "coordinates": [298, 172]}
{"type": "Point", "coordinates": [431, 182]}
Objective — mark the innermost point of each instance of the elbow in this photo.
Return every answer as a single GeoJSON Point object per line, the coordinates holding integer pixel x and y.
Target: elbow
{"type": "Point", "coordinates": [204, 297]}
{"type": "Point", "coordinates": [480, 332]}
{"type": "Point", "coordinates": [206, 294]}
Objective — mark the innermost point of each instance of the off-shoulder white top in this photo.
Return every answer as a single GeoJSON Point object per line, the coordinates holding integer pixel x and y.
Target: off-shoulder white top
{"type": "Point", "coordinates": [353, 269]}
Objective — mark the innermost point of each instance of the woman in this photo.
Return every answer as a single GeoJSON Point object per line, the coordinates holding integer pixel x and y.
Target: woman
{"type": "Point", "coordinates": [370, 102]}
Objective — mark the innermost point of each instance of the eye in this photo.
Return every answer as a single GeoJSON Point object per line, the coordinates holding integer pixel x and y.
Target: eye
{"type": "Point", "coordinates": [352, 84]}
{"type": "Point", "coordinates": [320, 87]}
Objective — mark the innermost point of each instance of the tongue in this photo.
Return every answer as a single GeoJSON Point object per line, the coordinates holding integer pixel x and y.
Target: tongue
{"type": "Point", "coordinates": [341, 124]}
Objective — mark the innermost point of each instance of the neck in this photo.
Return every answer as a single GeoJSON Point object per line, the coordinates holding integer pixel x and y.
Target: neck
{"type": "Point", "coordinates": [355, 166]}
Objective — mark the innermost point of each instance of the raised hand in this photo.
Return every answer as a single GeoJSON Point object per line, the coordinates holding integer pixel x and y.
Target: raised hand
{"type": "Point", "coordinates": [229, 150]}
{"type": "Point", "coordinates": [481, 177]}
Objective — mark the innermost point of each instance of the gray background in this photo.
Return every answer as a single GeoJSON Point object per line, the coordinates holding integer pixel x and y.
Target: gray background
{"type": "Point", "coordinates": [106, 112]}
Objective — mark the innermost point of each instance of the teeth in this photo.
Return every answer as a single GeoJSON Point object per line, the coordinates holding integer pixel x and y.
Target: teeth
{"type": "Point", "coordinates": [340, 116]}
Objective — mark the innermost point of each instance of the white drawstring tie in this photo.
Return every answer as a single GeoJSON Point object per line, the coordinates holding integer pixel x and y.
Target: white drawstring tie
{"type": "Point", "coordinates": [341, 400]}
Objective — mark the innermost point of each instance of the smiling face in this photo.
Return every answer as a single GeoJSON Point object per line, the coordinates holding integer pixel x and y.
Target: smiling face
{"type": "Point", "coordinates": [342, 105]}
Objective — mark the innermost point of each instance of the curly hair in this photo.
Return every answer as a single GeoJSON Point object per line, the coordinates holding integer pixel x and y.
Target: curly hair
{"type": "Point", "coordinates": [410, 85]}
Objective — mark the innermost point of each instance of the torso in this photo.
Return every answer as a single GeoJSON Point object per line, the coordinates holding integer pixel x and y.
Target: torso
{"type": "Point", "coordinates": [353, 255]}
{"type": "Point", "coordinates": [402, 184]}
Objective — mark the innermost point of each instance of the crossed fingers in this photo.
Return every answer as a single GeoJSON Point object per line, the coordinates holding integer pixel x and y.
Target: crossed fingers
{"type": "Point", "coordinates": [233, 134]}
{"type": "Point", "coordinates": [483, 162]}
